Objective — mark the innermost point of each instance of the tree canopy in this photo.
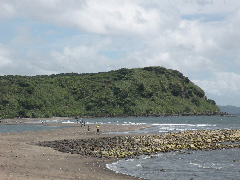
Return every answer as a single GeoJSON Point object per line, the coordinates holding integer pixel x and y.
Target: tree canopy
{"type": "Point", "coordinates": [138, 91]}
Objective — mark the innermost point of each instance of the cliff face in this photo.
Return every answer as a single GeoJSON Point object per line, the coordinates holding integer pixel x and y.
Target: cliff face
{"type": "Point", "coordinates": [140, 91]}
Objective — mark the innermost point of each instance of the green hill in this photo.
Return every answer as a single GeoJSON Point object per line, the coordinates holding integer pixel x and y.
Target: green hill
{"type": "Point", "coordinates": [139, 91]}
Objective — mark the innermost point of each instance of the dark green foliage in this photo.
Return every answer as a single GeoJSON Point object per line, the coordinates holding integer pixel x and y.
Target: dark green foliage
{"type": "Point", "coordinates": [176, 89]}
{"type": "Point", "coordinates": [210, 101]}
{"type": "Point", "coordinates": [140, 91]}
{"type": "Point", "coordinates": [196, 101]}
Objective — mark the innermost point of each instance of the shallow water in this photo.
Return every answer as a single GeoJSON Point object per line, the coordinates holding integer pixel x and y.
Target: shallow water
{"type": "Point", "coordinates": [163, 124]}
{"type": "Point", "coordinates": [194, 165]}
{"type": "Point", "coordinates": [25, 127]}
{"type": "Point", "coordinates": [174, 124]}
{"type": "Point", "coordinates": [197, 165]}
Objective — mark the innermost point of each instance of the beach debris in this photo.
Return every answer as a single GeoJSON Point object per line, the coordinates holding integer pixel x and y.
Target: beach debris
{"type": "Point", "coordinates": [133, 146]}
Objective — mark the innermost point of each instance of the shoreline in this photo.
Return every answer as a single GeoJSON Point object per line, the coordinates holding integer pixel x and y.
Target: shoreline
{"type": "Point", "coordinates": [28, 120]}
{"type": "Point", "coordinates": [17, 120]}
{"type": "Point", "coordinates": [22, 159]}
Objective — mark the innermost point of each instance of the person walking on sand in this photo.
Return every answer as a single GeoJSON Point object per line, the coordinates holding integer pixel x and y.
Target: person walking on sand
{"type": "Point", "coordinates": [88, 128]}
{"type": "Point", "coordinates": [97, 129]}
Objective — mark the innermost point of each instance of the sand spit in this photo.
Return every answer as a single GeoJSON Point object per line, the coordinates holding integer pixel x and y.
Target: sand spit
{"type": "Point", "coordinates": [22, 159]}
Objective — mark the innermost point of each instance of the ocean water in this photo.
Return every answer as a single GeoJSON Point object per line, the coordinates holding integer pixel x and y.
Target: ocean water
{"type": "Point", "coordinates": [195, 165]}
{"type": "Point", "coordinates": [185, 165]}
{"type": "Point", "coordinates": [172, 124]}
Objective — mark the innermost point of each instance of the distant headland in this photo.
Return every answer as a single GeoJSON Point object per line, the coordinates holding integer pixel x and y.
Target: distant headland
{"type": "Point", "coordinates": [149, 91]}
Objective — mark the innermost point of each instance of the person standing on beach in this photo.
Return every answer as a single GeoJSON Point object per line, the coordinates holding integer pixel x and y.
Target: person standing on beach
{"type": "Point", "coordinates": [97, 129]}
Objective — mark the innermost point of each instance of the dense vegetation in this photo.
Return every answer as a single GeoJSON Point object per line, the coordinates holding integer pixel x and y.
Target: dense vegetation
{"type": "Point", "coordinates": [140, 91]}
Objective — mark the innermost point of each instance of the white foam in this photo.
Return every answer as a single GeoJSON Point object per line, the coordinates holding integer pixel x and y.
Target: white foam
{"type": "Point", "coordinates": [112, 167]}
{"type": "Point", "coordinates": [205, 166]}
{"type": "Point", "coordinates": [130, 123]}
{"type": "Point", "coordinates": [146, 157]}
{"type": "Point", "coordinates": [68, 122]}
{"type": "Point", "coordinates": [162, 131]}
{"type": "Point", "coordinates": [182, 125]}
{"type": "Point", "coordinates": [130, 160]}
{"type": "Point", "coordinates": [139, 165]}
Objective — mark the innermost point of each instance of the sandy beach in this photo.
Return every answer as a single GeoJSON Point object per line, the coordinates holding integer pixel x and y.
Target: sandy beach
{"type": "Point", "coordinates": [22, 159]}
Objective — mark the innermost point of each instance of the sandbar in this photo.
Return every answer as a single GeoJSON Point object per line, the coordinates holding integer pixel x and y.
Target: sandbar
{"type": "Point", "coordinates": [22, 159]}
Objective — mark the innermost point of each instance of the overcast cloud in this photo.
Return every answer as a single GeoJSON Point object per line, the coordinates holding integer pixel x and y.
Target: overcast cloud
{"type": "Point", "coordinates": [199, 38]}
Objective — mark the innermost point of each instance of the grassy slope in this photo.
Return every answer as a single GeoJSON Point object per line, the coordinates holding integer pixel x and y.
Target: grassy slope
{"type": "Point", "coordinates": [140, 91]}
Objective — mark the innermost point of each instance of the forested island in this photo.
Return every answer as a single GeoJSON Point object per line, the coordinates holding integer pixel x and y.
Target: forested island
{"type": "Point", "coordinates": [149, 91]}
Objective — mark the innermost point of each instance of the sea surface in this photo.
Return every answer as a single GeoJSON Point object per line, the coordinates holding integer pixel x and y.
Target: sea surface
{"type": "Point", "coordinates": [25, 127]}
{"type": "Point", "coordinates": [185, 165]}
{"type": "Point", "coordinates": [195, 165]}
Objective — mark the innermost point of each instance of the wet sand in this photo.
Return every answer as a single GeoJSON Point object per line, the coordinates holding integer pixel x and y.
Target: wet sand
{"type": "Point", "coordinates": [22, 159]}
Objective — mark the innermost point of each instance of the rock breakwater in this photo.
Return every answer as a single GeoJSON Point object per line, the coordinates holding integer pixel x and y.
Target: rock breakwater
{"type": "Point", "coordinates": [131, 146]}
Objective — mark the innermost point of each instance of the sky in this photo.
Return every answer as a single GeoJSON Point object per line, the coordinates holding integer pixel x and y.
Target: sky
{"type": "Point", "coordinates": [199, 38]}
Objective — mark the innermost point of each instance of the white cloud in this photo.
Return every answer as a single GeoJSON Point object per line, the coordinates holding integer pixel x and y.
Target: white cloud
{"type": "Point", "coordinates": [222, 83]}
{"type": "Point", "coordinates": [206, 6]}
{"type": "Point", "coordinates": [192, 36]}
{"type": "Point", "coordinates": [81, 58]}
{"type": "Point", "coordinates": [223, 87]}
{"type": "Point", "coordinates": [103, 17]}
{"type": "Point", "coordinates": [229, 81]}
{"type": "Point", "coordinates": [115, 17]}
{"type": "Point", "coordinates": [7, 9]}
{"type": "Point", "coordinates": [5, 59]}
